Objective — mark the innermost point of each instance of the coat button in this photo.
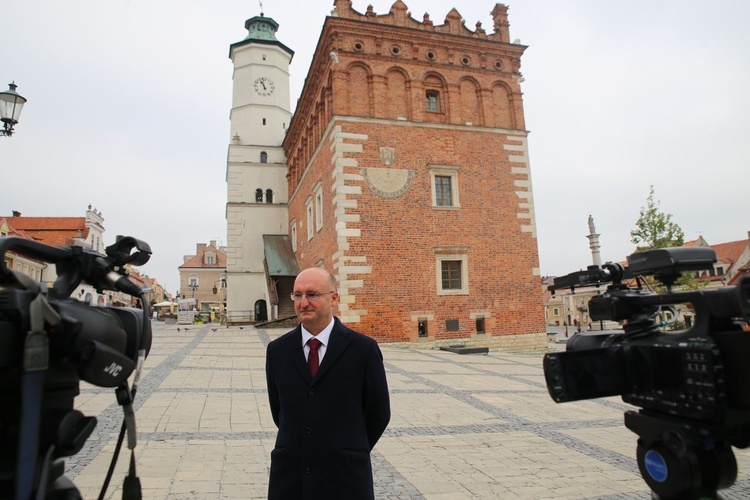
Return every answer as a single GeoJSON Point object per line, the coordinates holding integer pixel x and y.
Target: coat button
{"type": "Point", "coordinates": [307, 470]}
{"type": "Point", "coordinates": [311, 391]}
{"type": "Point", "coordinates": [308, 430]}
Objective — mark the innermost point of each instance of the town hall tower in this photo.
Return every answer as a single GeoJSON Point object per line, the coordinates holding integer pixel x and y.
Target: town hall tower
{"type": "Point", "coordinates": [256, 167]}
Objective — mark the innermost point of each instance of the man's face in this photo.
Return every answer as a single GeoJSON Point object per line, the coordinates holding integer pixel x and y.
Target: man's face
{"type": "Point", "coordinates": [315, 314]}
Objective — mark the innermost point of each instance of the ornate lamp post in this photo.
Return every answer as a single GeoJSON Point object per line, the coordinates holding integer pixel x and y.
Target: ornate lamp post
{"type": "Point", "coordinates": [11, 104]}
{"type": "Point", "coordinates": [221, 292]}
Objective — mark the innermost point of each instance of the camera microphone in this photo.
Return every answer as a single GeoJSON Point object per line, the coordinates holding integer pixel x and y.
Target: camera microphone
{"type": "Point", "coordinates": [123, 284]}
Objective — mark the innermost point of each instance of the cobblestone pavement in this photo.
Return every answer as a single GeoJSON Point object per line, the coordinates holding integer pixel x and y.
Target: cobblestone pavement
{"type": "Point", "coordinates": [463, 427]}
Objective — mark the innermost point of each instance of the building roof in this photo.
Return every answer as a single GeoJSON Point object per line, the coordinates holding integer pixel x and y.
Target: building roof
{"type": "Point", "coordinates": [58, 231]}
{"type": "Point", "coordinates": [731, 251]}
{"type": "Point", "coordinates": [13, 231]}
{"type": "Point", "coordinates": [199, 261]}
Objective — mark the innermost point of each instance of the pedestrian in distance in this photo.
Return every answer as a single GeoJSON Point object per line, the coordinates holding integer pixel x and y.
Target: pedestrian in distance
{"type": "Point", "coordinates": [328, 395]}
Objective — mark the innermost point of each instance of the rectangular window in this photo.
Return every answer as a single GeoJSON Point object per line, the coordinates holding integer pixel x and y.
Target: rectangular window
{"type": "Point", "coordinates": [422, 328]}
{"type": "Point", "coordinates": [443, 191]}
{"type": "Point", "coordinates": [451, 274]}
{"type": "Point", "coordinates": [556, 311]}
{"type": "Point", "coordinates": [444, 185]}
{"type": "Point", "coordinates": [480, 325]}
{"type": "Point", "coordinates": [318, 207]}
{"type": "Point", "coordinates": [310, 231]}
{"type": "Point", "coordinates": [452, 271]}
{"type": "Point", "coordinates": [432, 98]}
{"type": "Point", "coordinates": [294, 236]}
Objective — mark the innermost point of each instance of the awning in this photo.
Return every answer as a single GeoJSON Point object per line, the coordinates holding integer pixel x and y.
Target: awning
{"type": "Point", "coordinates": [280, 259]}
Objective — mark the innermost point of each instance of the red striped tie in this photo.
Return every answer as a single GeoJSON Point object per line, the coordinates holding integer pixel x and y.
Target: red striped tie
{"type": "Point", "coordinates": [312, 358]}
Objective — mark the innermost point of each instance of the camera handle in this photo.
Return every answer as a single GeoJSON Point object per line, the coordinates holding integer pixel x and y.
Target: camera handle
{"type": "Point", "coordinates": [681, 459]}
{"type": "Point", "coordinates": [35, 364]}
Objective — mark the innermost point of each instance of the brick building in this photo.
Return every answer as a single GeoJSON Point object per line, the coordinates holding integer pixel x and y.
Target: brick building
{"type": "Point", "coordinates": [408, 178]}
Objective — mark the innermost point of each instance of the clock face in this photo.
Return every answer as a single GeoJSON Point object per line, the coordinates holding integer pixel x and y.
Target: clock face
{"type": "Point", "coordinates": [264, 86]}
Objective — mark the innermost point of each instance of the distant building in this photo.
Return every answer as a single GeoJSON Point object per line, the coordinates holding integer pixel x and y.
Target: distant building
{"type": "Point", "coordinates": [85, 232]}
{"type": "Point", "coordinates": [732, 259]}
{"type": "Point", "coordinates": [203, 277]}
{"type": "Point", "coordinates": [732, 262]}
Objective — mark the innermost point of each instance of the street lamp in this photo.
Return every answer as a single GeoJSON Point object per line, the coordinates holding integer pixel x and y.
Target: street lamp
{"type": "Point", "coordinates": [193, 287]}
{"type": "Point", "coordinates": [221, 292]}
{"type": "Point", "coordinates": [11, 104]}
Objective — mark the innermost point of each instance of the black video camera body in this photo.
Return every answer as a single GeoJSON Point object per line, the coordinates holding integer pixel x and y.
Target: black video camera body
{"type": "Point", "coordinates": [692, 386]}
{"type": "Point", "coordinates": [49, 342]}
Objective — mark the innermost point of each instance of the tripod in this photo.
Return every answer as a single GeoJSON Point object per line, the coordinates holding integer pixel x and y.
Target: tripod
{"type": "Point", "coordinates": [681, 459]}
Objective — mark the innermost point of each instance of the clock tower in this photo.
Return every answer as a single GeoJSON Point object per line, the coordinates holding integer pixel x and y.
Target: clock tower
{"type": "Point", "coordinates": [257, 192]}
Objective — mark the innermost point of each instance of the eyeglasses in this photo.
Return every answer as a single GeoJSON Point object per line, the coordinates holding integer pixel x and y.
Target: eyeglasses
{"type": "Point", "coordinates": [297, 296]}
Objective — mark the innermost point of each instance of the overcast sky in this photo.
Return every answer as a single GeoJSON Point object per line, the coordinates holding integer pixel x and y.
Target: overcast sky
{"type": "Point", "coordinates": [128, 110]}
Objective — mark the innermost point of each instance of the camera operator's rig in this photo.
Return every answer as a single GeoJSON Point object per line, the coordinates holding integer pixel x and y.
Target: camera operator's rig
{"type": "Point", "coordinates": [48, 343]}
{"type": "Point", "coordinates": [693, 386]}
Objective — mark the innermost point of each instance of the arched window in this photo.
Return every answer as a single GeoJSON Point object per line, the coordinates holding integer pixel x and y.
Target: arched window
{"type": "Point", "coordinates": [263, 157]}
{"type": "Point", "coordinates": [269, 196]}
{"type": "Point", "coordinates": [258, 195]}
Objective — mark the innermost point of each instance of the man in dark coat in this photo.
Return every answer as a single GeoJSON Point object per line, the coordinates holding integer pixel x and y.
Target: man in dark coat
{"type": "Point", "coordinates": [328, 422]}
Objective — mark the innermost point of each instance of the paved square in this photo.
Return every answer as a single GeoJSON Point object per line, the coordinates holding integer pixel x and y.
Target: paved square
{"type": "Point", "coordinates": [463, 427]}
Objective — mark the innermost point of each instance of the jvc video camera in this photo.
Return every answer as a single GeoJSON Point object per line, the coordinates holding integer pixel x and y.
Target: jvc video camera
{"type": "Point", "coordinates": [693, 386]}
{"type": "Point", "coordinates": [48, 343]}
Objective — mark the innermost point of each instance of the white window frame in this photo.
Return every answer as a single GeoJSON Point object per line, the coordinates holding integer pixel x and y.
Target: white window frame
{"type": "Point", "coordinates": [294, 235]}
{"type": "Point", "coordinates": [432, 100]}
{"type": "Point", "coordinates": [193, 280]}
{"type": "Point", "coordinates": [445, 171]}
{"type": "Point", "coordinates": [309, 212]}
{"type": "Point", "coordinates": [318, 193]}
{"type": "Point", "coordinates": [464, 260]}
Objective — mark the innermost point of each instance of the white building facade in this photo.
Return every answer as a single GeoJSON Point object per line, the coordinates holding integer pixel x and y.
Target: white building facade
{"type": "Point", "coordinates": [256, 166]}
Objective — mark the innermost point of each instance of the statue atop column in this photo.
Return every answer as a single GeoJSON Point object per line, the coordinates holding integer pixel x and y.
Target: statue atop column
{"type": "Point", "coordinates": [592, 228]}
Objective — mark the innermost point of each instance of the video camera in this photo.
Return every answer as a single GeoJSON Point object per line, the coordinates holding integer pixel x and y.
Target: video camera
{"type": "Point", "coordinates": [48, 343]}
{"type": "Point", "coordinates": [693, 386]}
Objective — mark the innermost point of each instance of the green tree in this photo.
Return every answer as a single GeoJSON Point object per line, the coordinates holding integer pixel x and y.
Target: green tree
{"type": "Point", "coordinates": [655, 229]}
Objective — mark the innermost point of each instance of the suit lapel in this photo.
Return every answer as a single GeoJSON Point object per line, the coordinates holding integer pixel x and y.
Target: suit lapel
{"type": "Point", "coordinates": [337, 344]}
{"type": "Point", "coordinates": [297, 354]}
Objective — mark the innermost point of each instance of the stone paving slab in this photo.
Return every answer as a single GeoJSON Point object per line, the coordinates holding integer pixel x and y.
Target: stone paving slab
{"type": "Point", "coordinates": [463, 427]}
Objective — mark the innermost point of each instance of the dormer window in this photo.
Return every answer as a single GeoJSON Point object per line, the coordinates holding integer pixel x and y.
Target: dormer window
{"type": "Point", "coordinates": [209, 258]}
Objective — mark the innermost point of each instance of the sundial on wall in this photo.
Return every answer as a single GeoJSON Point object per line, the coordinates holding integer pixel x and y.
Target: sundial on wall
{"type": "Point", "coordinates": [388, 182]}
{"type": "Point", "coordinates": [385, 181]}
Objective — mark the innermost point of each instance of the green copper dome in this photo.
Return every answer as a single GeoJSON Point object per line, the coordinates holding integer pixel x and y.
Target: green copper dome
{"type": "Point", "coordinates": [261, 28]}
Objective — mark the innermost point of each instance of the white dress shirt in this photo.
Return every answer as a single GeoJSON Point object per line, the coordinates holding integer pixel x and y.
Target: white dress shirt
{"type": "Point", "coordinates": [323, 336]}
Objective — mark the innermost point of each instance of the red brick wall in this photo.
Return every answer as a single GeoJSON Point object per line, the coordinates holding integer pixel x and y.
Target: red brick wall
{"type": "Point", "coordinates": [392, 241]}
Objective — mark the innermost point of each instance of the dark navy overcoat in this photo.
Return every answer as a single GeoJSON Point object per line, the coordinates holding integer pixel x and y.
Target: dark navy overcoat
{"type": "Point", "coordinates": [327, 424]}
